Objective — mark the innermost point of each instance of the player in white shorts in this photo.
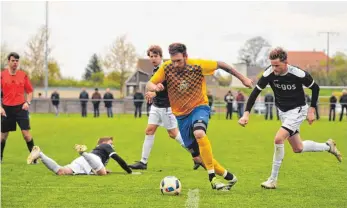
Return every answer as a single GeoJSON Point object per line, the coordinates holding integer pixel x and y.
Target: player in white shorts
{"type": "Point", "coordinates": [90, 163]}
{"type": "Point", "coordinates": [161, 115]}
{"type": "Point", "coordinates": [287, 83]}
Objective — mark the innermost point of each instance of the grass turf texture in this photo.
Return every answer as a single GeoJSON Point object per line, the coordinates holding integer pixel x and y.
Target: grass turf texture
{"type": "Point", "coordinates": [306, 180]}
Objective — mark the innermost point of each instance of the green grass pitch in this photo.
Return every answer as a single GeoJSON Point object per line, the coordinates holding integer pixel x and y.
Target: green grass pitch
{"type": "Point", "coordinates": [305, 180]}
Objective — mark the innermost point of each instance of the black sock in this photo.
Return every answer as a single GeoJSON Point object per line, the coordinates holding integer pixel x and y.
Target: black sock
{"type": "Point", "coordinates": [30, 144]}
{"type": "Point", "coordinates": [3, 143]}
{"type": "Point", "coordinates": [229, 176]}
{"type": "Point", "coordinates": [211, 176]}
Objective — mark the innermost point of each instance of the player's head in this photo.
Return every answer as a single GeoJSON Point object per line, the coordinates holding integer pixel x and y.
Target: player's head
{"type": "Point", "coordinates": [105, 140]}
{"type": "Point", "coordinates": [278, 59]}
{"type": "Point", "coordinates": [13, 60]}
{"type": "Point", "coordinates": [107, 89]}
{"type": "Point", "coordinates": [178, 54]}
{"type": "Point", "coordinates": [155, 54]}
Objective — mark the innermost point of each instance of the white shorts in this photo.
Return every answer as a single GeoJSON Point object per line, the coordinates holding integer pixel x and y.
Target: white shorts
{"type": "Point", "coordinates": [292, 119]}
{"type": "Point", "coordinates": [81, 167]}
{"type": "Point", "coordinates": [162, 117]}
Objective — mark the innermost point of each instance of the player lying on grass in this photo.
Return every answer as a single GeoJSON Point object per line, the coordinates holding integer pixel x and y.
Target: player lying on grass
{"type": "Point", "coordinates": [92, 163]}
{"type": "Point", "coordinates": [286, 81]}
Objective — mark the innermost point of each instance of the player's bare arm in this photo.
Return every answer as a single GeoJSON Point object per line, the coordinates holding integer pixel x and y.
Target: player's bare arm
{"type": "Point", "coordinates": [246, 81]}
{"type": "Point", "coordinates": [3, 113]}
{"type": "Point", "coordinates": [28, 101]}
{"type": "Point", "coordinates": [154, 87]}
{"type": "Point", "coordinates": [149, 96]}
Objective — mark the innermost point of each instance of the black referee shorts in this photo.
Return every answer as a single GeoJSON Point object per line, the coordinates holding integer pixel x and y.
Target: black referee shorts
{"type": "Point", "coordinates": [14, 115]}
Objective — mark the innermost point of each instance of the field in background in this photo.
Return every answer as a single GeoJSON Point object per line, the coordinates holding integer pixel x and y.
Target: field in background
{"type": "Point", "coordinates": [306, 180]}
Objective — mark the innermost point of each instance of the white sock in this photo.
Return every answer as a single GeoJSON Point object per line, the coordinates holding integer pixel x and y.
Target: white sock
{"type": "Point", "coordinates": [180, 140]}
{"type": "Point", "coordinates": [93, 161]}
{"type": "Point", "coordinates": [311, 146]}
{"type": "Point", "coordinates": [49, 163]}
{"type": "Point", "coordinates": [146, 148]}
{"type": "Point", "coordinates": [277, 160]}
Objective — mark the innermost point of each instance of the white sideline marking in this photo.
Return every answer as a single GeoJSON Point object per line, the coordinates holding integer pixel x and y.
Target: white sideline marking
{"type": "Point", "coordinates": [193, 198]}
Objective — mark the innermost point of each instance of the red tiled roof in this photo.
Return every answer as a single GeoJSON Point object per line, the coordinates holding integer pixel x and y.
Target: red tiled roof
{"type": "Point", "coordinates": [307, 59]}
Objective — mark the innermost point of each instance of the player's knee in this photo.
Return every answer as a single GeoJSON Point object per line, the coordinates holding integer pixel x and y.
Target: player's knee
{"type": "Point", "coordinates": [150, 130]}
{"type": "Point", "coordinates": [172, 133]}
{"type": "Point", "coordinates": [27, 137]}
{"type": "Point", "coordinates": [297, 149]}
{"type": "Point", "coordinates": [199, 134]}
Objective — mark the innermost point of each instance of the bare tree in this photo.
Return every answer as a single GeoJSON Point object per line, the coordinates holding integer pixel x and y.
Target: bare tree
{"type": "Point", "coordinates": [255, 52]}
{"type": "Point", "coordinates": [4, 54]}
{"type": "Point", "coordinates": [35, 55]}
{"type": "Point", "coordinates": [121, 59]}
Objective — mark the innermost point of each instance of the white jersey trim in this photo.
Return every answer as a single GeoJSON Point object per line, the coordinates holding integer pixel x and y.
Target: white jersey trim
{"type": "Point", "coordinates": [311, 84]}
{"type": "Point", "coordinates": [268, 71]}
{"type": "Point", "coordinates": [112, 153]}
{"type": "Point", "coordinates": [296, 71]}
{"type": "Point", "coordinates": [259, 88]}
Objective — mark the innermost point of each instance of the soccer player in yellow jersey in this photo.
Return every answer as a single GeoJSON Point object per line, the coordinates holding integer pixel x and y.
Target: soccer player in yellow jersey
{"type": "Point", "coordinates": [186, 87]}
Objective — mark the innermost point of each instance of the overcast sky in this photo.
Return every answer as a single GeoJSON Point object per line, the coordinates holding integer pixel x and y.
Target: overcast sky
{"type": "Point", "coordinates": [211, 30]}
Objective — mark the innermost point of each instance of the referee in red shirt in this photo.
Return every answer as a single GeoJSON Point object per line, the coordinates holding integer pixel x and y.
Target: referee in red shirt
{"type": "Point", "coordinates": [15, 105]}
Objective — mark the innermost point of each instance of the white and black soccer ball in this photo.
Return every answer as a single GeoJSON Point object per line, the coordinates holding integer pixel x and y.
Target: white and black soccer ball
{"type": "Point", "coordinates": [170, 185]}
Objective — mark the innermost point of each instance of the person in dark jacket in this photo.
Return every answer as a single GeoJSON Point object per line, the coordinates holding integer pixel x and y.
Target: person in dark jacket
{"type": "Point", "coordinates": [269, 103]}
{"type": "Point", "coordinates": [332, 101]}
{"type": "Point", "coordinates": [108, 97]}
{"type": "Point", "coordinates": [84, 100]}
{"type": "Point", "coordinates": [210, 100]}
{"type": "Point", "coordinates": [229, 98]}
{"type": "Point", "coordinates": [343, 102]}
{"type": "Point", "coordinates": [240, 99]}
{"type": "Point", "coordinates": [55, 98]}
{"type": "Point", "coordinates": [96, 99]}
{"type": "Point", "coordinates": [138, 101]}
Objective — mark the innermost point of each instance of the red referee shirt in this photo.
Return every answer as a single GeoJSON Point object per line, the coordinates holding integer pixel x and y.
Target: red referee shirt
{"type": "Point", "coordinates": [13, 87]}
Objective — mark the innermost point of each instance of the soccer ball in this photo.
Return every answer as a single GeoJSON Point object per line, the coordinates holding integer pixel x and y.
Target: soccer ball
{"type": "Point", "coordinates": [170, 185]}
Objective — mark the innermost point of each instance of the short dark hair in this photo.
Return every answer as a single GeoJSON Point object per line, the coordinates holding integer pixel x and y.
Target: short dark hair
{"type": "Point", "coordinates": [104, 139]}
{"type": "Point", "coordinates": [156, 50]}
{"type": "Point", "coordinates": [176, 48]}
{"type": "Point", "coordinates": [278, 53]}
{"type": "Point", "coordinates": [96, 89]}
{"type": "Point", "coordinates": [14, 55]}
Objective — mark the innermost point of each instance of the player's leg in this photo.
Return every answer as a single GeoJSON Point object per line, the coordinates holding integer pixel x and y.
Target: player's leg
{"type": "Point", "coordinates": [36, 153]}
{"type": "Point", "coordinates": [299, 146]}
{"type": "Point", "coordinates": [271, 115]}
{"type": "Point", "coordinates": [4, 136]}
{"type": "Point", "coordinates": [334, 113]}
{"type": "Point", "coordinates": [221, 171]}
{"type": "Point", "coordinates": [93, 160]}
{"type": "Point", "coordinates": [154, 120]}
{"type": "Point", "coordinates": [281, 135]}
{"type": "Point", "coordinates": [199, 122]}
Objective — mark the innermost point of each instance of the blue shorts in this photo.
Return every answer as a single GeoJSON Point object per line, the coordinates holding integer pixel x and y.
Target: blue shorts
{"type": "Point", "coordinates": [186, 122]}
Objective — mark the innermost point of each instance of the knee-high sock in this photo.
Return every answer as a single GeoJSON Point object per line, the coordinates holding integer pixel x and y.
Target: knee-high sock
{"type": "Point", "coordinates": [277, 160]}
{"type": "Point", "coordinates": [221, 171]}
{"type": "Point", "coordinates": [311, 146]}
{"type": "Point", "coordinates": [179, 139]}
{"type": "Point", "coordinates": [30, 144]}
{"type": "Point", "coordinates": [49, 163]}
{"type": "Point", "coordinates": [146, 148]}
{"type": "Point", "coordinates": [92, 161]}
{"type": "Point", "coordinates": [3, 143]}
{"type": "Point", "coordinates": [206, 153]}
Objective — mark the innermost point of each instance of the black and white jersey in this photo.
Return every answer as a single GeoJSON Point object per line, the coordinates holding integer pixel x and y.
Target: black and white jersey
{"type": "Point", "coordinates": [288, 88]}
{"type": "Point", "coordinates": [104, 151]}
{"type": "Point", "coordinates": [162, 98]}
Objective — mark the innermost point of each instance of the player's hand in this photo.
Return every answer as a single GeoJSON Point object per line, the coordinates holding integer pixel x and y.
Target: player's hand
{"type": "Point", "coordinates": [160, 87]}
{"type": "Point", "coordinates": [136, 173]}
{"type": "Point", "coordinates": [25, 106]}
{"type": "Point", "coordinates": [3, 112]}
{"type": "Point", "coordinates": [311, 115]}
{"type": "Point", "coordinates": [247, 82]}
{"type": "Point", "coordinates": [149, 96]}
{"type": "Point", "coordinates": [244, 119]}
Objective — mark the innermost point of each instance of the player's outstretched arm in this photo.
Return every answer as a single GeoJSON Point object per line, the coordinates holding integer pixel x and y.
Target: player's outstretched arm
{"type": "Point", "coordinates": [121, 162]}
{"type": "Point", "coordinates": [245, 80]}
{"type": "Point", "coordinates": [312, 110]}
{"type": "Point", "coordinates": [250, 102]}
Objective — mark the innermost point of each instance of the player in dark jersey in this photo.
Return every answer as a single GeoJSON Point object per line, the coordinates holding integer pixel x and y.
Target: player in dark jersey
{"type": "Point", "coordinates": [92, 163]}
{"type": "Point", "coordinates": [161, 115]}
{"type": "Point", "coordinates": [287, 83]}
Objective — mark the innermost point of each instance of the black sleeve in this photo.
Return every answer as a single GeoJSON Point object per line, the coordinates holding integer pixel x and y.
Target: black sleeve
{"type": "Point", "coordinates": [252, 98]}
{"type": "Point", "coordinates": [263, 82]}
{"type": "Point", "coordinates": [315, 94]}
{"type": "Point", "coordinates": [121, 162]}
{"type": "Point", "coordinates": [307, 80]}
{"type": "Point", "coordinates": [108, 149]}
